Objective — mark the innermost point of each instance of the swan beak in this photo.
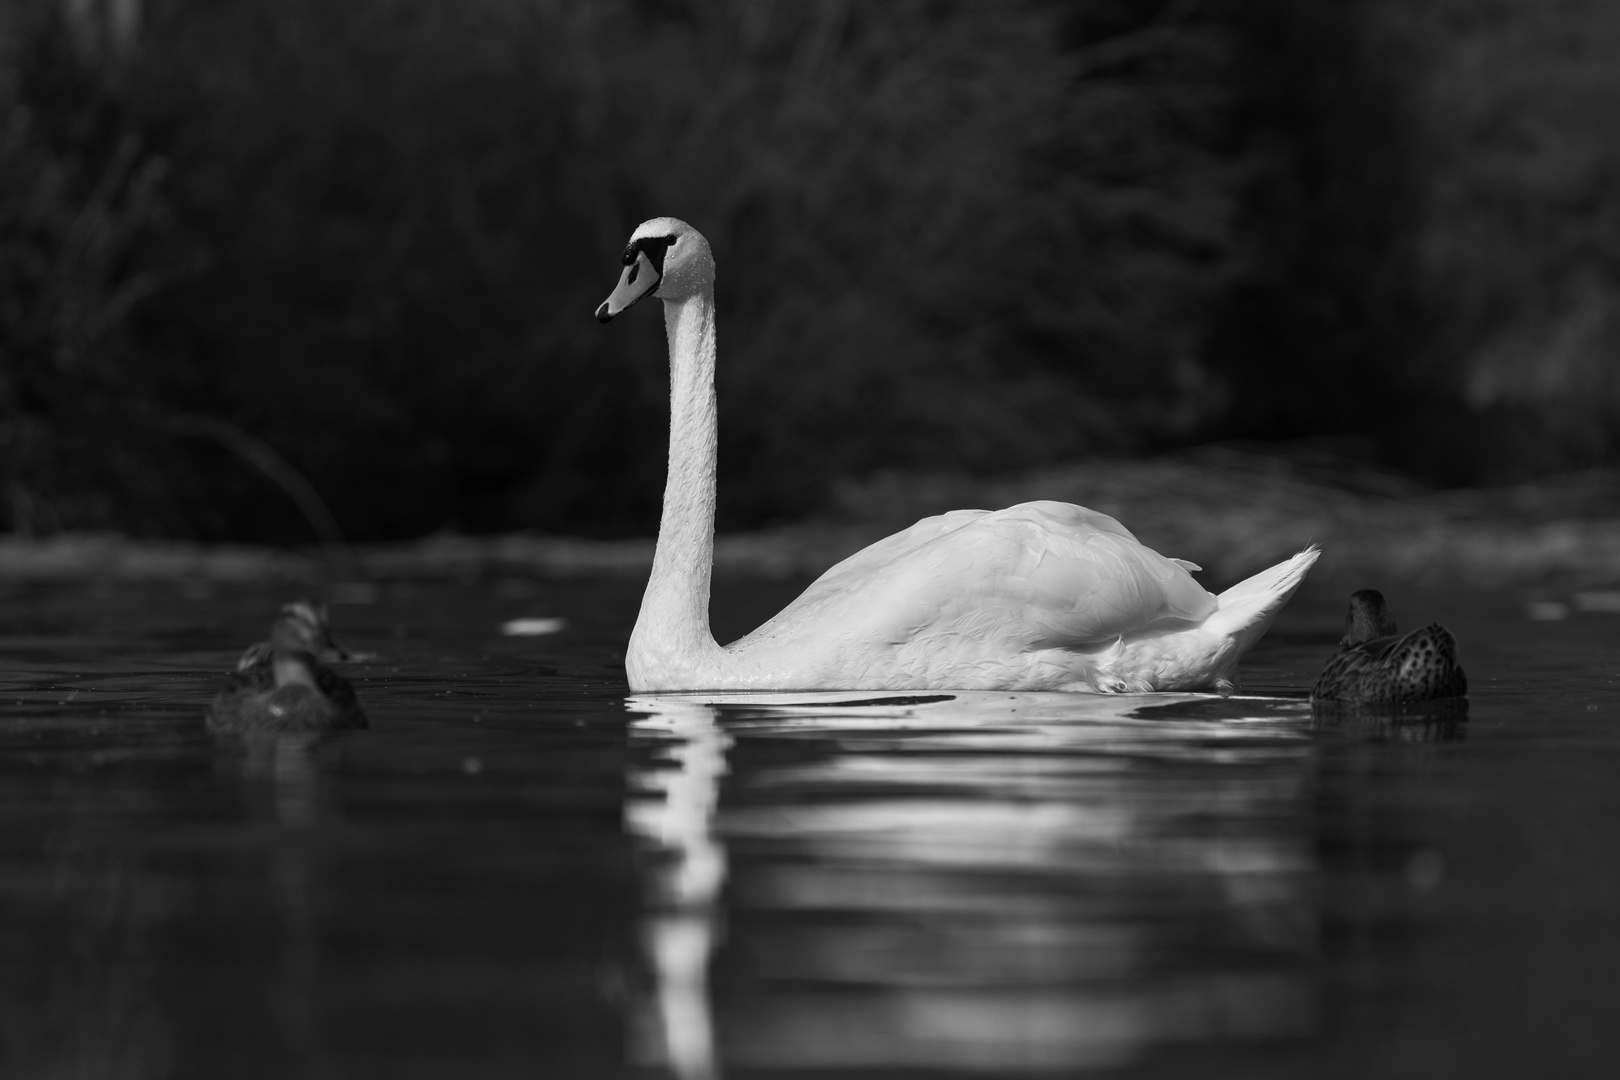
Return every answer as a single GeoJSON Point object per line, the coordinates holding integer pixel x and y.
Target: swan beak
{"type": "Point", "coordinates": [639, 278]}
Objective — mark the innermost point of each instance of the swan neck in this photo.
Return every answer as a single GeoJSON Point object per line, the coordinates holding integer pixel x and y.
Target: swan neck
{"type": "Point", "coordinates": [672, 631]}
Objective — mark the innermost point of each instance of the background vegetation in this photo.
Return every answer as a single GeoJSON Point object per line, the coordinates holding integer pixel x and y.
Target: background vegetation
{"type": "Point", "coordinates": [246, 246]}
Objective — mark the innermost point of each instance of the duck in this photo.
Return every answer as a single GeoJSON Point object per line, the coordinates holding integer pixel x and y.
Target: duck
{"type": "Point", "coordinates": [282, 686]}
{"type": "Point", "coordinates": [1376, 665]}
{"type": "Point", "coordinates": [1043, 595]}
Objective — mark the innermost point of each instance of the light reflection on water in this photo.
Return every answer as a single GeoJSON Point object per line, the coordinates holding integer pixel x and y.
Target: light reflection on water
{"type": "Point", "coordinates": [1020, 882]}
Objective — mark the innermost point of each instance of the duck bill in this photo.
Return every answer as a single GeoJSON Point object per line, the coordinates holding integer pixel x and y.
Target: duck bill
{"type": "Point", "coordinates": [639, 279]}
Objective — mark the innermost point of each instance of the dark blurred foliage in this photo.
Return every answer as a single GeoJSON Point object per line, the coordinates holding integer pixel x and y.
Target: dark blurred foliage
{"type": "Point", "coordinates": [1315, 336]}
{"type": "Point", "coordinates": [1518, 249]}
{"type": "Point", "coordinates": [362, 242]}
{"type": "Point", "coordinates": [80, 198]}
{"type": "Point", "coordinates": [1435, 280]}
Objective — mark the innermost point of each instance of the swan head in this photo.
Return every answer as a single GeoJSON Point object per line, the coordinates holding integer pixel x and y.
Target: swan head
{"type": "Point", "coordinates": [666, 258]}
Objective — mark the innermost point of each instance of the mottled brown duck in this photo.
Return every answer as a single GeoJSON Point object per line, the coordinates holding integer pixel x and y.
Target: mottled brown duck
{"type": "Point", "coordinates": [1376, 665]}
{"type": "Point", "coordinates": [281, 685]}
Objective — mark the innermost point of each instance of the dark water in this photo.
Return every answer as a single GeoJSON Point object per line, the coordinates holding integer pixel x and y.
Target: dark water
{"type": "Point", "coordinates": [516, 873]}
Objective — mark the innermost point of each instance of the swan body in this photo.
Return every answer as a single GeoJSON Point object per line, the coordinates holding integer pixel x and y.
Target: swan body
{"type": "Point", "coordinates": [1375, 665]}
{"type": "Point", "coordinates": [281, 685]}
{"type": "Point", "coordinates": [1038, 596]}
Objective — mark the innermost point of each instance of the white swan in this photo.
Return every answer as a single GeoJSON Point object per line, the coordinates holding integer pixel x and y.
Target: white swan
{"type": "Point", "coordinates": [1039, 596]}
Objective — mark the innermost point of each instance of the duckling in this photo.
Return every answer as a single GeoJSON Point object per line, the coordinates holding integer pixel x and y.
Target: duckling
{"type": "Point", "coordinates": [1375, 667]}
{"type": "Point", "coordinates": [301, 694]}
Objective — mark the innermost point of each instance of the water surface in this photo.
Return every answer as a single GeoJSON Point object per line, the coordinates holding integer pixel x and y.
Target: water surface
{"type": "Point", "coordinates": [520, 872]}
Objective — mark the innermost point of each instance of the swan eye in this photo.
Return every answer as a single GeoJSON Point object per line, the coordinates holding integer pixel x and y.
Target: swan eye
{"type": "Point", "coordinates": [651, 246]}
{"type": "Point", "coordinates": [654, 248]}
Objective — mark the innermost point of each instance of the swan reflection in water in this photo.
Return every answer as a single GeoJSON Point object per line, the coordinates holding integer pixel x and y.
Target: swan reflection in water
{"type": "Point", "coordinates": [674, 808]}
{"type": "Point", "coordinates": [1016, 882]}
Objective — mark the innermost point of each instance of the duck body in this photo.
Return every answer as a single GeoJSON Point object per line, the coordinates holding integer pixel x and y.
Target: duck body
{"type": "Point", "coordinates": [258, 684]}
{"type": "Point", "coordinates": [1375, 665]}
{"type": "Point", "coordinates": [292, 708]}
{"type": "Point", "coordinates": [1038, 596]}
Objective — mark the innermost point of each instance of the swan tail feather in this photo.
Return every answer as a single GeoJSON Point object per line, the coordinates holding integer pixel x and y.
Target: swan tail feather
{"type": "Point", "coordinates": [1245, 610]}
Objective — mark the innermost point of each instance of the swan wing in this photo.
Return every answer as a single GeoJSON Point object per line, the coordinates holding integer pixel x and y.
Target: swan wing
{"type": "Point", "coordinates": [872, 558]}
{"type": "Point", "coordinates": [1036, 575]}
{"type": "Point", "coordinates": [1068, 576]}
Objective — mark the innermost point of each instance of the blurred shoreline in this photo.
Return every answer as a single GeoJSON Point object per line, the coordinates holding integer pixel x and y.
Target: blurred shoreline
{"type": "Point", "coordinates": [1231, 512]}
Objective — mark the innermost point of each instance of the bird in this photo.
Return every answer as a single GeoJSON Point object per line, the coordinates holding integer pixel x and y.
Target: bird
{"type": "Point", "coordinates": [1039, 596]}
{"type": "Point", "coordinates": [1375, 665]}
{"type": "Point", "coordinates": [282, 686]}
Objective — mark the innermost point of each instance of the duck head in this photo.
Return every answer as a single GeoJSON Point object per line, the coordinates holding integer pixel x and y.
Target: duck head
{"type": "Point", "coordinates": [291, 649]}
{"type": "Point", "coordinates": [1367, 618]}
{"type": "Point", "coordinates": [292, 633]}
{"type": "Point", "coordinates": [312, 623]}
{"type": "Point", "coordinates": [666, 258]}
